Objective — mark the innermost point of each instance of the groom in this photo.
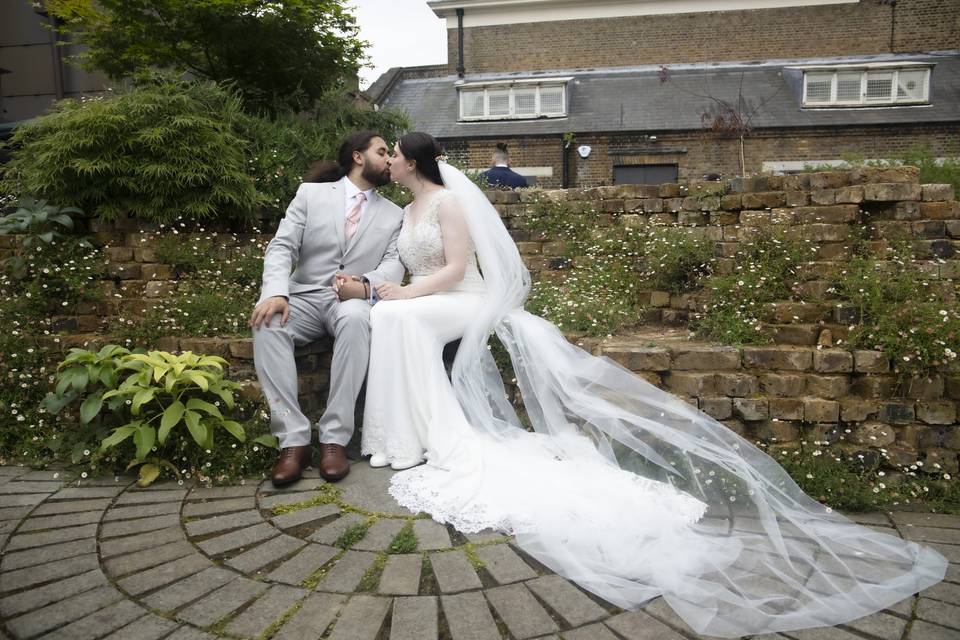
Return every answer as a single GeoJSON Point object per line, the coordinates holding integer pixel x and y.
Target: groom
{"type": "Point", "coordinates": [337, 224]}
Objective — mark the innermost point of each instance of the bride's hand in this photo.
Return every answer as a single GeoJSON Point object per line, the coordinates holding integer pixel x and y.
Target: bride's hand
{"type": "Point", "coordinates": [392, 291]}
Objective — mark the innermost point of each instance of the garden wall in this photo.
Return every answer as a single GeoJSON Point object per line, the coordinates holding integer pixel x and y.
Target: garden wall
{"type": "Point", "coordinates": [805, 386]}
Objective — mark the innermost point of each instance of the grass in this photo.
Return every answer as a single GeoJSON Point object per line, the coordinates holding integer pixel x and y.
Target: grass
{"type": "Point", "coordinates": [405, 541]}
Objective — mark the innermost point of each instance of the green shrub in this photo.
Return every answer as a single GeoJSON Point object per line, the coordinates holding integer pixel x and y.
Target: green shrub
{"type": "Point", "coordinates": [901, 310]}
{"type": "Point", "coordinates": [150, 399]}
{"type": "Point", "coordinates": [218, 287]}
{"type": "Point", "coordinates": [281, 148]}
{"type": "Point", "coordinates": [737, 306]}
{"type": "Point", "coordinates": [673, 259]}
{"type": "Point", "coordinates": [160, 150]}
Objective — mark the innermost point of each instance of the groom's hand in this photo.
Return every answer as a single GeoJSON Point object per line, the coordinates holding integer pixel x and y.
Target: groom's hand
{"type": "Point", "coordinates": [264, 312]}
{"type": "Point", "coordinates": [348, 287]}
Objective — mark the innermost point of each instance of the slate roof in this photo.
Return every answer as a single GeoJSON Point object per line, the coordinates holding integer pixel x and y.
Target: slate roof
{"type": "Point", "coordinates": [635, 99]}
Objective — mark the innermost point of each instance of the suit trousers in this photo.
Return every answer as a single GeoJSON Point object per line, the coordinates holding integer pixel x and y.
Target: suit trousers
{"type": "Point", "coordinates": [313, 315]}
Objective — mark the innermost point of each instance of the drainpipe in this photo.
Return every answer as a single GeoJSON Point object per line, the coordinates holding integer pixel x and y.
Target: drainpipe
{"type": "Point", "coordinates": [461, 70]}
{"type": "Point", "coordinates": [565, 160]}
{"type": "Point", "coordinates": [57, 55]}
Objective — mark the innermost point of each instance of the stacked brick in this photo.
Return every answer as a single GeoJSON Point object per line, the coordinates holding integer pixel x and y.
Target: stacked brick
{"type": "Point", "coordinates": [801, 388]}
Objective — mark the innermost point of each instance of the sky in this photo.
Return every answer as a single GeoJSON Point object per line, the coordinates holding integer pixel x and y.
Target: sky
{"type": "Point", "coordinates": [401, 33]}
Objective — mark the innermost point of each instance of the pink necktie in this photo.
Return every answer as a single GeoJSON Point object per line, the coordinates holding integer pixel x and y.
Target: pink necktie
{"type": "Point", "coordinates": [353, 217]}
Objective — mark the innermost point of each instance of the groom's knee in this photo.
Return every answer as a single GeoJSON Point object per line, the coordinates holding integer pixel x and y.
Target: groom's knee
{"type": "Point", "coordinates": [353, 316]}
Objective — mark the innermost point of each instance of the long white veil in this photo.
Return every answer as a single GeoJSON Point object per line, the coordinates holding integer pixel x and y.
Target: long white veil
{"type": "Point", "coordinates": [764, 558]}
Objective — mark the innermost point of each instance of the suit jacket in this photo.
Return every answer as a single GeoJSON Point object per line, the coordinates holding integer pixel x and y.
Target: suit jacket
{"type": "Point", "coordinates": [504, 177]}
{"type": "Point", "coordinates": [310, 244]}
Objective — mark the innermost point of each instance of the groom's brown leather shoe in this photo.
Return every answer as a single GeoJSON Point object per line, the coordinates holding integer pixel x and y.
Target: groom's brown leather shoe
{"type": "Point", "coordinates": [333, 462]}
{"type": "Point", "coordinates": [290, 465]}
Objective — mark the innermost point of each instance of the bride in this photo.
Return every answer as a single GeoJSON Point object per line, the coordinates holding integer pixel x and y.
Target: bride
{"type": "Point", "coordinates": [621, 487]}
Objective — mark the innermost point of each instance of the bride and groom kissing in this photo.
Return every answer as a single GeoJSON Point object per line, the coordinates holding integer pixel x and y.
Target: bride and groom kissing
{"type": "Point", "coordinates": [619, 486]}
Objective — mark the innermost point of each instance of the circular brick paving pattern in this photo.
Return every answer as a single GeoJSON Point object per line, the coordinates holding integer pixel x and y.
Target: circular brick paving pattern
{"type": "Point", "coordinates": [106, 559]}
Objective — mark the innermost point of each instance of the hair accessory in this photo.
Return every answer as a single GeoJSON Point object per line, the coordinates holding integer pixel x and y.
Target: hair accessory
{"type": "Point", "coordinates": [441, 158]}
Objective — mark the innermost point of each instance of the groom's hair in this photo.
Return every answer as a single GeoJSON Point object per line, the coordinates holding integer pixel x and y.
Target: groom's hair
{"type": "Point", "coordinates": [327, 171]}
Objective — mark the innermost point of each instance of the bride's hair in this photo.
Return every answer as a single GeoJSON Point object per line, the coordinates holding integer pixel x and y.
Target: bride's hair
{"type": "Point", "coordinates": [326, 171]}
{"type": "Point", "coordinates": [424, 149]}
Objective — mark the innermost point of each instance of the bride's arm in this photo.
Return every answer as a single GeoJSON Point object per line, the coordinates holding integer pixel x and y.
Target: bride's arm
{"type": "Point", "coordinates": [456, 244]}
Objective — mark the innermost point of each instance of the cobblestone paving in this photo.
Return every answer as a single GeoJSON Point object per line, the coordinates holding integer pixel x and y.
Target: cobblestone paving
{"type": "Point", "coordinates": [106, 559]}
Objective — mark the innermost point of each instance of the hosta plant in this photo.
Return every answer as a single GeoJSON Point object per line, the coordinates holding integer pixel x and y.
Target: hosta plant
{"type": "Point", "coordinates": [147, 398]}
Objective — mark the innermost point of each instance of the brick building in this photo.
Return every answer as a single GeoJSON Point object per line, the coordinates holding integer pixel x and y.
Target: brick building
{"type": "Point", "coordinates": [663, 90]}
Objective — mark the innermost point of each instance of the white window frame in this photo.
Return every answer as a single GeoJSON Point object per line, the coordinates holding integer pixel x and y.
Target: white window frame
{"type": "Point", "coordinates": [477, 87]}
{"type": "Point", "coordinates": [865, 73]}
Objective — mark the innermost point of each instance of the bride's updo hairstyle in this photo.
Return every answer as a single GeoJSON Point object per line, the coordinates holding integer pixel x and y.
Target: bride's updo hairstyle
{"type": "Point", "coordinates": [424, 149]}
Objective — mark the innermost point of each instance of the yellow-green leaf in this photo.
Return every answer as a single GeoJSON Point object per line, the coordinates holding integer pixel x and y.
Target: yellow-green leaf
{"type": "Point", "coordinates": [171, 416]}
{"type": "Point", "coordinates": [235, 429]}
{"type": "Point", "coordinates": [197, 430]}
{"type": "Point", "coordinates": [201, 405]}
{"type": "Point", "coordinates": [141, 397]}
{"type": "Point", "coordinates": [198, 380]}
{"type": "Point", "coordinates": [148, 473]}
{"type": "Point", "coordinates": [144, 437]}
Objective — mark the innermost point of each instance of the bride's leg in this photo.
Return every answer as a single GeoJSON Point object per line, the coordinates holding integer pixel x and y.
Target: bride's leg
{"type": "Point", "coordinates": [407, 385]}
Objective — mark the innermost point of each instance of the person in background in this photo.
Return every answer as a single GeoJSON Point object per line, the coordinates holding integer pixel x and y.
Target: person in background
{"type": "Point", "coordinates": [500, 174]}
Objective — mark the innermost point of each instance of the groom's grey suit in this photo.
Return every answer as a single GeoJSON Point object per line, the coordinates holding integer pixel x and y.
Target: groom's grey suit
{"type": "Point", "coordinates": [311, 242]}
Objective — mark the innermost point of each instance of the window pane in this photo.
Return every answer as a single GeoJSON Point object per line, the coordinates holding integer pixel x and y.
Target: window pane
{"type": "Point", "coordinates": [551, 100]}
{"type": "Point", "coordinates": [525, 102]}
{"type": "Point", "coordinates": [818, 87]}
{"type": "Point", "coordinates": [879, 87]}
{"type": "Point", "coordinates": [848, 87]}
{"type": "Point", "coordinates": [499, 102]}
{"type": "Point", "coordinates": [911, 85]}
{"type": "Point", "coordinates": [471, 104]}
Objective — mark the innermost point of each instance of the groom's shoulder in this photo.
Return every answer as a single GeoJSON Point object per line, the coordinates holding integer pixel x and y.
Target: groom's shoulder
{"type": "Point", "coordinates": [317, 188]}
{"type": "Point", "coordinates": [390, 205]}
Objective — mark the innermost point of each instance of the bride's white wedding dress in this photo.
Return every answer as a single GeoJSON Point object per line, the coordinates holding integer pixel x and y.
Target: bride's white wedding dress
{"type": "Point", "coordinates": [622, 487]}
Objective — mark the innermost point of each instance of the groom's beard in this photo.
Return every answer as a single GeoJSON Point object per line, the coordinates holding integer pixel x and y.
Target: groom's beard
{"type": "Point", "coordinates": [374, 177]}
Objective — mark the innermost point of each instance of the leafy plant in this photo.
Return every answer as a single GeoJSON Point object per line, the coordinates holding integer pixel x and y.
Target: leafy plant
{"type": "Point", "coordinates": [249, 42]}
{"type": "Point", "coordinates": [900, 311]}
{"type": "Point", "coordinates": [768, 269]}
{"type": "Point", "coordinates": [161, 149]}
{"type": "Point", "coordinates": [151, 394]}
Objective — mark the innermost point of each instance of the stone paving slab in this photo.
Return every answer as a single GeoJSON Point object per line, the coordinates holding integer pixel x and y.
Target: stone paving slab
{"type": "Point", "coordinates": [169, 572]}
{"type": "Point", "coordinates": [304, 516]}
{"type": "Point", "coordinates": [263, 554]}
{"type": "Point", "coordinates": [123, 565]}
{"type": "Point", "coordinates": [72, 506]}
{"type": "Point", "coordinates": [316, 613]}
{"type": "Point", "coordinates": [345, 575]}
{"type": "Point", "coordinates": [361, 618]}
{"type": "Point", "coordinates": [414, 618]}
{"type": "Point", "coordinates": [117, 546]}
{"type": "Point", "coordinates": [303, 564]}
{"type": "Point", "coordinates": [222, 602]}
{"type": "Point", "coordinates": [98, 623]}
{"type": "Point", "coordinates": [221, 523]}
{"type": "Point", "coordinates": [30, 540]}
{"type": "Point", "coordinates": [148, 627]}
{"type": "Point", "coordinates": [468, 617]}
{"type": "Point", "coordinates": [185, 591]}
{"type": "Point", "coordinates": [380, 535]}
{"type": "Point", "coordinates": [30, 557]}
{"type": "Point", "coordinates": [62, 612]}
{"type": "Point", "coordinates": [570, 603]}
{"type": "Point", "coordinates": [259, 616]}
{"type": "Point", "coordinates": [24, 601]}
{"type": "Point", "coordinates": [454, 572]}
{"type": "Point", "coordinates": [521, 612]}
{"type": "Point", "coordinates": [401, 575]}
{"type": "Point", "coordinates": [210, 558]}
{"type": "Point", "coordinates": [504, 565]}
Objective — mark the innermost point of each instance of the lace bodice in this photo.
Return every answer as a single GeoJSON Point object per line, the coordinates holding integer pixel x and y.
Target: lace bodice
{"type": "Point", "coordinates": [421, 243]}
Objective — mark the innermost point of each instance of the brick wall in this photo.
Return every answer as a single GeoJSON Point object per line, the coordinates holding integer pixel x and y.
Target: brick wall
{"type": "Point", "coordinates": [807, 385]}
{"type": "Point", "coordinates": [791, 32]}
{"type": "Point", "coordinates": [704, 154]}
